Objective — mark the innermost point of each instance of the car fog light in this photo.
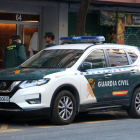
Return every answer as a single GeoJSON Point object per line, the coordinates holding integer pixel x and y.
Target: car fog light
{"type": "Point", "coordinates": [34, 101]}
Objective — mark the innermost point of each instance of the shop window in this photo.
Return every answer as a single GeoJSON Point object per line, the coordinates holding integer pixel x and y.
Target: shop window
{"type": "Point", "coordinates": [111, 34]}
{"type": "Point", "coordinates": [117, 57]}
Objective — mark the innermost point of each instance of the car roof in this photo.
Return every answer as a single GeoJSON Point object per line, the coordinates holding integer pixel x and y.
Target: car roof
{"type": "Point", "coordinates": [85, 46]}
{"type": "Point", "coordinates": [71, 46]}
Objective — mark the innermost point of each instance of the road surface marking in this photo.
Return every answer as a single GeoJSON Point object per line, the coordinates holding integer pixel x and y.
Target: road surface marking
{"type": "Point", "coordinates": [98, 121]}
{"type": "Point", "coordinates": [51, 126]}
{"type": "Point", "coordinates": [47, 126]}
{"type": "Point", "coordinates": [4, 127]}
{"type": "Point", "coordinates": [10, 130]}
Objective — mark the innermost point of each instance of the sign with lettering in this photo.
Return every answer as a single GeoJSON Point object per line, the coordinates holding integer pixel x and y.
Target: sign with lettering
{"type": "Point", "coordinates": [132, 19]}
{"type": "Point", "coordinates": [19, 17]}
{"type": "Point", "coordinates": [136, 19]}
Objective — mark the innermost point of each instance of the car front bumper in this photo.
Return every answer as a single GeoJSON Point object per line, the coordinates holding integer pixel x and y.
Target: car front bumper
{"type": "Point", "coordinates": [14, 109]}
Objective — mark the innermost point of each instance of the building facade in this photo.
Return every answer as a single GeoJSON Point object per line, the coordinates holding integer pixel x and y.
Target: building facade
{"type": "Point", "coordinates": [31, 19]}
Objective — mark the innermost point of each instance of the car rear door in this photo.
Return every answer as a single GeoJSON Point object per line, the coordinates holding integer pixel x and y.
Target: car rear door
{"type": "Point", "coordinates": [122, 75]}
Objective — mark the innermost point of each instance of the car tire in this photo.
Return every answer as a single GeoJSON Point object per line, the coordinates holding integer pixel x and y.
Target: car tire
{"type": "Point", "coordinates": [134, 109]}
{"type": "Point", "coordinates": [64, 108]}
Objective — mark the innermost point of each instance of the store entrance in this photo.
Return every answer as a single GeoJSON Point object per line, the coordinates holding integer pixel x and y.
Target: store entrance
{"type": "Point", "coordinates": [30, 38]}
{"type": "Point", "coordinates": [29, 35]}
{"type": "Point", "coordinates": [25, 25]}
{"type": "Point", "coordinates": [6, 33]}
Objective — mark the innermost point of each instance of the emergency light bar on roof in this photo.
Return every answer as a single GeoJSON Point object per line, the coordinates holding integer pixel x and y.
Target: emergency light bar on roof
{"type": "Point", "coordinates": [93, 39]}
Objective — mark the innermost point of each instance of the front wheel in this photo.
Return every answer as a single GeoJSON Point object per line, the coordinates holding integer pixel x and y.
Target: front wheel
{"type": "Point", "coordinates": [64, 108]}
{"type": "Point", "coordinates": [134, 110]}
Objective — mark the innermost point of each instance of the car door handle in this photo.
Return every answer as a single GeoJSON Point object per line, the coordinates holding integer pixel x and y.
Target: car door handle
{"type": "Point", "coordinates": [133, 71]}
{"type": "Point", "coordinates": [108, 75]}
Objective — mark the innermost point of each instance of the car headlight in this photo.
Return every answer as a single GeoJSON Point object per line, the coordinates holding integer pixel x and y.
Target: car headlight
{"type": "Point", "coordinates": [31, 83]}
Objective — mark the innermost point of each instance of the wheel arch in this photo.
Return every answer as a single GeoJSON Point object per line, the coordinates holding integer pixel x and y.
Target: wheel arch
{"type": "Point", "coordinates": [134, 88]}
{"type": "Point", "coordinates": [71, 89]}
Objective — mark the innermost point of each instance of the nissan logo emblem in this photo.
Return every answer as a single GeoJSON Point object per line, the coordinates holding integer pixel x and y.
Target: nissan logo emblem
{"type": "Point", "coordinates": [2, 85]}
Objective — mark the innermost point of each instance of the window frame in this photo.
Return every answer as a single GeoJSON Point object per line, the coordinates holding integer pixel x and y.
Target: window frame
{"type": "Point", "coordinates": [128, 57]}
{"type": "Point", "coordinates": [105, 55]}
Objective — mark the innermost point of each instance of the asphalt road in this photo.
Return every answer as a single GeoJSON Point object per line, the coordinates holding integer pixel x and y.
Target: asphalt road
{"type": "Point", "coordinates": [97, 126]}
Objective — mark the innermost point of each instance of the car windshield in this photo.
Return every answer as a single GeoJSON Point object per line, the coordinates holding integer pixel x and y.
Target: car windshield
{"type": "Point", "coordinates": [53, 59]}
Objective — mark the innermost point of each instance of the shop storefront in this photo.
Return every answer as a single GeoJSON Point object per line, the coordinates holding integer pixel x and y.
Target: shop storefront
{"type": "Point", "coordinates": [92, 27]}
{"type": "Point", "coordinates": [98, 23]}
{"type": "Point", "coordinates": [31, 21]}
{"type": "Point", "coordinates": [128, 29]}
{"type": "Point", "coordinates": [117, 27]}
{"type": "Point", "coordinates": [132, 29]}
{"type": "Point", "coordinates": [26, 25]}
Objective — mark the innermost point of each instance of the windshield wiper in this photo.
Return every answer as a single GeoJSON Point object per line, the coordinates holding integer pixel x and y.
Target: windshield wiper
{"type": "Point", "coordinates": [23, 67]}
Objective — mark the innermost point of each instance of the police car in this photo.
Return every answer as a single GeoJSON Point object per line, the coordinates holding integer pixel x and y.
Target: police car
{"type": "Point", "coordinates": [61, 81]}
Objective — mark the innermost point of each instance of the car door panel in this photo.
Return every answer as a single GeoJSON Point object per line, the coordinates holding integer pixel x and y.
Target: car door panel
{"type": "Point", "coordinates": [122, 75]}
{"type": "Point", "coordinates": [97, 81]}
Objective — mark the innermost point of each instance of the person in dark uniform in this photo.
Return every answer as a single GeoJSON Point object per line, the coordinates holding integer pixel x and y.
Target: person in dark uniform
{"type": "Point", "coordinates": [15, 54]}
{"type": "Point", "coordinates": [49, 38]}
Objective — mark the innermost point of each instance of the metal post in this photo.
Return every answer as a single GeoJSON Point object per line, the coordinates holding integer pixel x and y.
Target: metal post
{"type": "Point", "coordinates": [23, 33]}
{"type": "Point", "coordinates": [117, 27]}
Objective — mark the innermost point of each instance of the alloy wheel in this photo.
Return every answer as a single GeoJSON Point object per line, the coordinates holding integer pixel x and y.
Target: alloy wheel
{"type": "Point", "coordinates": [65, 107]}
{"type": "Point", "coordinates": [137, 103]}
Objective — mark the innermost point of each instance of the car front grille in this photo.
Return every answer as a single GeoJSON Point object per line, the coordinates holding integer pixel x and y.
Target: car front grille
{"type": "Point", "coordinates": [8, 84]}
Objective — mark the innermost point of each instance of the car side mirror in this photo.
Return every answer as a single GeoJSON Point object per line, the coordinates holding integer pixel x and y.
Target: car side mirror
{"type": "Point", "coordinates": [86, 65]}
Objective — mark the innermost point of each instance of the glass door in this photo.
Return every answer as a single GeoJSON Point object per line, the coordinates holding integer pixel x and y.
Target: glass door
{"type": "Point", "coordinates": [30, 38]}
{"type": "Point", "coordinates": [6, 32]}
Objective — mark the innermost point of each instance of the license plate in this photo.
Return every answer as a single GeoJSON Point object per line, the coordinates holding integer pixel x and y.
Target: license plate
{"type": "Point", "coordinates": [4, 99]}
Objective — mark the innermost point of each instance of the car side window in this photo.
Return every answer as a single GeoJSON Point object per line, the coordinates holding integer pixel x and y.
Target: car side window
{"type": "Point", "coordinates": [97, 58]}
{"type": "Point", "coordinates": [117, 57]}
{"type": "Point", "coordinates": [132, 55]}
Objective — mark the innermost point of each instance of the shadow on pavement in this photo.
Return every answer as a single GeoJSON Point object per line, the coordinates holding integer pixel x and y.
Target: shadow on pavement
{"type": "Point", "coordinates": [90, 117]}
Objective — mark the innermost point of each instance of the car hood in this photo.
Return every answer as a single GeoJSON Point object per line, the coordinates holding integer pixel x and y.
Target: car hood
{"type": "Point", "coordinates": [26, 73]}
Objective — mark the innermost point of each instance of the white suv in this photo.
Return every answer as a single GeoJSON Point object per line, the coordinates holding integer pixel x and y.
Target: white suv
{"type": "Point", "coordinates": [64, 80]}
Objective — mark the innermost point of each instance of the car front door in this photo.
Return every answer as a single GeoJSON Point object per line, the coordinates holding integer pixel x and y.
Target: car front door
{"type": "Point", "coordinates": [96, 85]}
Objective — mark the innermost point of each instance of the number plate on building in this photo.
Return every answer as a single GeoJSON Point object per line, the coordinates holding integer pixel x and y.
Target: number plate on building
{"type": "Point", "coordinates": [4, 98]}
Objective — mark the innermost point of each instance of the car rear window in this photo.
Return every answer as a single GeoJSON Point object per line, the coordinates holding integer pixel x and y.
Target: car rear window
{"type": "Point", "coordinates": [132, 55]}
{"type": "Point", "coordinates": [117, 57]}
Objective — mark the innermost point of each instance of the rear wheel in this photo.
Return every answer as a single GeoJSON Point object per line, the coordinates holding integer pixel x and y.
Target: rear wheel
{"type": "Point", "coordinates": [64, 108]}
{"type": "Point", "coordinates": [134, 110]}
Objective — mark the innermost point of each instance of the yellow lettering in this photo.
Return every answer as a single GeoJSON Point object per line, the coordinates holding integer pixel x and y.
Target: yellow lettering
{"type": "Point", "coordinates": [11, 47]}
{"type": "Point", "coordinates": [17, 71]}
